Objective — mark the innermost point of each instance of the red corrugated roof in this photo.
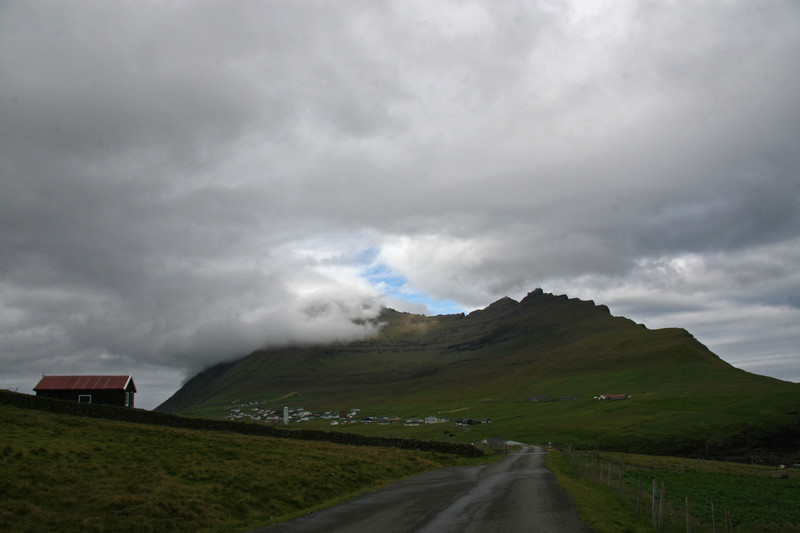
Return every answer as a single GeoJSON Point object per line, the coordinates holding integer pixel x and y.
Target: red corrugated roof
{"type": "Point", "coordinates": [85, 383]}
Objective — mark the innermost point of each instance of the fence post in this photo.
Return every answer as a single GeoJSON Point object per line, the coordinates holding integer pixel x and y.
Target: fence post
{"type": "Point", "coordinates": [713, 517]}
{"type": "Point", "coordinates": [638, 494]}
{"type": "Point", "coordinates": [621, 479]}
{"type": "Point", "coordinates": [655, 521]}
{"type": "Point", "coordinates": [688, 515]}
{"type": "Point", "coordinates": [598, 468]}
{"type": "Point", "coordinates": [728, 521]}
{"type": "Point", "coordinates": [661, 508]}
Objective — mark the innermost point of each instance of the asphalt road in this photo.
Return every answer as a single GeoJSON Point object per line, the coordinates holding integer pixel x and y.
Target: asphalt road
{"type": "Point", "coordinates": [517, 493]}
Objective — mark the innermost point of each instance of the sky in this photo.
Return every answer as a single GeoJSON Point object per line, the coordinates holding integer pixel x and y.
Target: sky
{"type": "Point", "coordinates": [182, 183]}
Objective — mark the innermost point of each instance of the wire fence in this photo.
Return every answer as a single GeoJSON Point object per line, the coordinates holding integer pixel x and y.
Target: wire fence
{"type": "Point", "coordinates": [697, 495]}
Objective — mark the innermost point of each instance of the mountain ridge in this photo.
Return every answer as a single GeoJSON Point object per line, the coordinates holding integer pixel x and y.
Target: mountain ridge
{"type": "Point", "coordinates": [492, 359]}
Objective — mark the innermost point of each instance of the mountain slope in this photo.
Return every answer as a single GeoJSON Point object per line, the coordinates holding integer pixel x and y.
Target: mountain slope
{"type": "Point", "coordinates": [491, 361]}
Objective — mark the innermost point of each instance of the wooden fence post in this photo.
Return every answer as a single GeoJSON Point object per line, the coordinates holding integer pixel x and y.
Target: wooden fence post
{"type": "Point", "coordinates": [728, 521]}
{"type": "Point", "coordinates": [655, 518]}
{"type": "Point", "coordinates": [713, 517]}
{"type": "Point", "coordinates": [688, 515]}
{"type": "Point", "coordinates": [598, 467]}
{"type": "Point", "coordinates": [661, 508]}
{"type": "Point", "coordinates": [638, 494]}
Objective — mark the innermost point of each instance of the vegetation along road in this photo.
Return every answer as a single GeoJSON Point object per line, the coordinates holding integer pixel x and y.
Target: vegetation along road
{"type": "Point", "coordinates": [517, 493]}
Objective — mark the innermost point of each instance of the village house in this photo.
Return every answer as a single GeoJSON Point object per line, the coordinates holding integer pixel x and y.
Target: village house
{"type": "Point", "coordinates": [107, 390]}
{"type": "Point", "coordinates": [613, 397]}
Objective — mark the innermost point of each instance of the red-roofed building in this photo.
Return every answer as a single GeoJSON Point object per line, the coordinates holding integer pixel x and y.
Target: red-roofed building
{"type": "Point", "coordinates": [108, 390]}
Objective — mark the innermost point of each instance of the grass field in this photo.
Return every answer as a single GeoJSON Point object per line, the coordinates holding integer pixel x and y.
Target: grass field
{"type": "Point", "coordinates": [68, 473]}
{"type": "Point", "coordinates": [746, 495]}
{"type": "Point", "coordinates": [603, 511]}
{"type": "Point", "coordinates": [649, 422]}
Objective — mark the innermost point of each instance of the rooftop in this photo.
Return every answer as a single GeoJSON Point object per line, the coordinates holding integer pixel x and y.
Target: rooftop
{"type": "Point", "coordinates": [85, 383]}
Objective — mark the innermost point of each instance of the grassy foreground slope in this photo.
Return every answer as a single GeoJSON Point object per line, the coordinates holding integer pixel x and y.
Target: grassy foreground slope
{"type": "Point", "coordinates": [69, 473]}
{"type": "Point", "coordinates": [492, 363]}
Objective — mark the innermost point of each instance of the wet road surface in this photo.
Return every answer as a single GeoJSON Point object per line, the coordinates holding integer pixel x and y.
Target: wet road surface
{"type": "Point", "coordinates": [515, 494]}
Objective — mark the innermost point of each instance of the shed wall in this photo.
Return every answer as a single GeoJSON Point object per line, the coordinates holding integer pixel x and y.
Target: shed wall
{"type": "Point", "coordinates": [105, 397]}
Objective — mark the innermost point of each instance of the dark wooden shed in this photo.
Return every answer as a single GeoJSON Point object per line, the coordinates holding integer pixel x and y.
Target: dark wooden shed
{"type": "Point", "coordinates": [108, 390]}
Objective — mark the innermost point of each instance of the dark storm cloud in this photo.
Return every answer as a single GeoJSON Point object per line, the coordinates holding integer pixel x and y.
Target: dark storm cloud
{"type": "Point", "coordinates": [181, 183]}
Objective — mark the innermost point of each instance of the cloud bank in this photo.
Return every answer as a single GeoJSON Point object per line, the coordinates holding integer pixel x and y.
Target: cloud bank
{"type": "Point", "coordinates": [181, 183]}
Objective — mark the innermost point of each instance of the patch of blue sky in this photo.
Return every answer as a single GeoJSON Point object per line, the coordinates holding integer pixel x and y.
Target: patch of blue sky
{"type": "Point", "coordinates": [395, 286]}
{"type": "Point", "coordinates": [435, 307]}
{"type": "Point", "coordinates": [382, 277]}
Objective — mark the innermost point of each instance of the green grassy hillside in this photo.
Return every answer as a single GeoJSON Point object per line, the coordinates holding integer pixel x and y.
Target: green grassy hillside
{"type": "Point", "coordinates": [492, 364]}
{"type": "Point", "coordinates": [70, 473]}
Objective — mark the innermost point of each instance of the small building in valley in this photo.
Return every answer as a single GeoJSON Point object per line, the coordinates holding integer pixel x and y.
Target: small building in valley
{"type": "Point", "coordinates": [613, 397]}
{"type": "Point", "coordinates": [107, 390]}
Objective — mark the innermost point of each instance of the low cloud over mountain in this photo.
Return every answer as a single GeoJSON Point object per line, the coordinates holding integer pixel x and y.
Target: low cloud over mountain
{"type": "Point", "coordinates": [181, 183]}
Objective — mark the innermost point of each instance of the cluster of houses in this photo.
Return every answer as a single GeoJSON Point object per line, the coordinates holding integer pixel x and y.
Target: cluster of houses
{"type": "Point", "coordinates": [426, 420]}
{"type": "Point", "coordinates": [253, 411]}
{"type": "Point", "coordinates": [464, 422]}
